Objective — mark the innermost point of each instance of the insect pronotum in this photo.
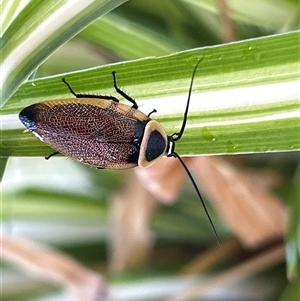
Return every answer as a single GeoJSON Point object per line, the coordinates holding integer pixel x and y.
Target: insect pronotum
{"type": "Point", "coordinates": [101, 132]}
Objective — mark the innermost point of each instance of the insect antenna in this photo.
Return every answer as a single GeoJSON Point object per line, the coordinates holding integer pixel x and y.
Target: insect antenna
{"type": "Point", "coordinates": [198, 192]}
{"type": "Point", "coordinates": [177, 136]}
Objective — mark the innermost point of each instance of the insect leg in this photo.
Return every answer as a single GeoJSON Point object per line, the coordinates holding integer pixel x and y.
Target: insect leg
{"type": "Point", "coordinates": [135, 106]}
{"type": "Point", "coordinates": [79, 95]}
{"type": "Point", "coordinates": [70, 88]}
{"type": "Point", "coordinates": [51, 155]}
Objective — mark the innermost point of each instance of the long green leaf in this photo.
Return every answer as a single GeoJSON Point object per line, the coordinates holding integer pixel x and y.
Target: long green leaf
{"type": "Point", "coordinates": [280, 13]}
{"type": "Point", "coordinates": [143, 41]}
{"type": "Point", "coordinates": [245, 97]}
{"type": "Point", "coordinates": [293, 233]}
{"type": "Point", "coordinates": [38, 30]}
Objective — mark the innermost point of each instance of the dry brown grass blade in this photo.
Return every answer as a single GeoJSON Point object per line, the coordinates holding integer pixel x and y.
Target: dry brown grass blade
{"type": "Point", "coordinates": [163, 179]}
{"type": "Point", "coordinates": [133, 207]}
{"type": "Point", "coordinates": [226, 21]}
{"type": "Point", "coordinates": [131, 213]}
{"type": "Point", "coordinates": [54, 266]}
{"type": "Point", "coordinates": [251, 266]}
{"type": "Point", "coordinates": [254, 214]}
{"type": "Point", "coordinates": [249, 209]}
{"type": "Point", "coordinates": [212, 257]}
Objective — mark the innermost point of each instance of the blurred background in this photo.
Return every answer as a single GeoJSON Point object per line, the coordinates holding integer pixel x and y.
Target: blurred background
{"type": "Point", "coordinates": [145, 231]}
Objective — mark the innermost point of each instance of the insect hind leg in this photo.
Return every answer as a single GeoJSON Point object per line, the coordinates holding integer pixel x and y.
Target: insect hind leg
{"type": "Point", "coordinates": [135, 106]}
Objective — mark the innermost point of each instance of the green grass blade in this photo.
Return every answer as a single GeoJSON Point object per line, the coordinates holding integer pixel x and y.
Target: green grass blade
{"type": "Point", "coordinates": [245, 97]}
{"type": "Point", "coordinates": [293, 235]}
{"type": "Point", "coordinates": [143, 41]}
{"type": "Point", "coordinates": [280, 13]}
{"type": "Point", "coordinates": [39, 29]}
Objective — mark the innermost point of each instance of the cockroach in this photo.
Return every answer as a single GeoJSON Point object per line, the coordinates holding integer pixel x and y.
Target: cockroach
{"type": "Point", "coordinates": [101, 132]}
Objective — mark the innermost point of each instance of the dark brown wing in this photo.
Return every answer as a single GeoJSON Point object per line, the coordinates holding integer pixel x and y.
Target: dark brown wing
{"type": "Point", "coordinates": [98, 132]}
